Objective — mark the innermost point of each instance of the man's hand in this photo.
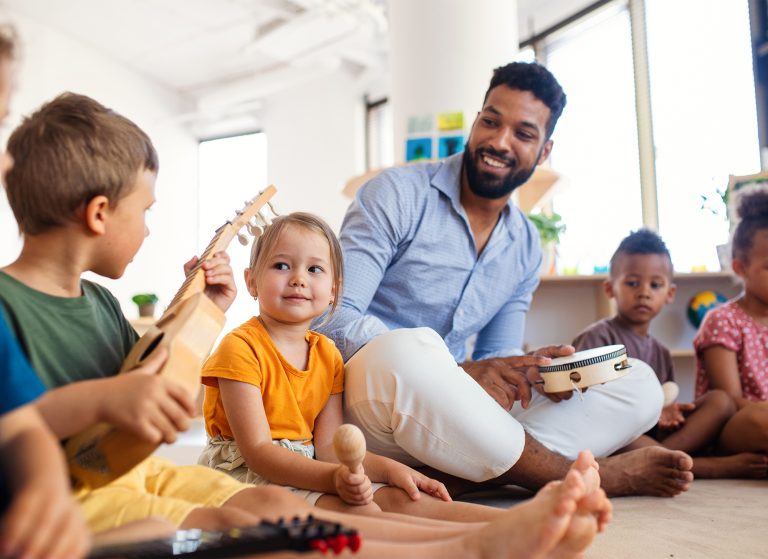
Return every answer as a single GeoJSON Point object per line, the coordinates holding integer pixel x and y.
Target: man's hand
{"type": "Point", "coordinates": [504, 378]}
{"type": "Point", "coordinates": [152, 406]}
{"type": "Point", "coordinates": [534, 377]}
{"type": "Point", "coordinates": [354, 489]}
{"type": "Point", "coordinates": [673, 415]}
{"type": "Point", "coordinates": [220, 283]}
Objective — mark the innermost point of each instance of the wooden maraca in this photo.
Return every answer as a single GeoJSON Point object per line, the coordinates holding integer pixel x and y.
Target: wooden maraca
{"type": "Point", "coordinates": [671, 391]}
{"type": "Point", "coordinates": [349, 444]}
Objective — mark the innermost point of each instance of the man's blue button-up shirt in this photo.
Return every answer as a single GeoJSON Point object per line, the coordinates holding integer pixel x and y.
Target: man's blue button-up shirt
{"type": "Point", "coordinates": [410, 261]}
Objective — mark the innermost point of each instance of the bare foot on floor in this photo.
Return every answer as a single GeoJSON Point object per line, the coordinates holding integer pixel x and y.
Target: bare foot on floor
{"type": "Point", "coordinates": [746, 465]}
{"type": "Point", "coordinates": [593, 512]}
{"type": "Point", "coordinates": [654, 471]}
{"type": "Point", "coordinates": [532, 529]}
{"type": "Point", "coordinates": [595, 502]}
{"type": "Point", "coordinates": [560, 522]}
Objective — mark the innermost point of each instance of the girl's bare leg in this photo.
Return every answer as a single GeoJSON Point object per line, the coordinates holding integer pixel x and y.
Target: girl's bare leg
{"type": "Point", "coordinates": [746, 431]}
{"type": "Point", "coordinates": [394, 499]}
{"type": "Point", "coordinates": [702, 426]}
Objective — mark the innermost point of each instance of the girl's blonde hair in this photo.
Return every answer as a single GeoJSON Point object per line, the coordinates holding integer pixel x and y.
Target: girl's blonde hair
{"type": "Point", "coordinates": [265, 244]}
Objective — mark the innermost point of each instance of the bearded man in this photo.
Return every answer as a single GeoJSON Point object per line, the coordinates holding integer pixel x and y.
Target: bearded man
{"type": "Point", "coordinates": [436, 254]}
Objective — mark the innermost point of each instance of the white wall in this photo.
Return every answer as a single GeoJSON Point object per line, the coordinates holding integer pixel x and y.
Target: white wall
{"type": "Point", "coordinates": [52, 63]}
{"type": "Point", "coordinates": [315, 142]}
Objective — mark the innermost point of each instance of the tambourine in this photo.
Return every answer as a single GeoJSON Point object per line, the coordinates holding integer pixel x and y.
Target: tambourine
{"type": "Point", "coordinates": [585, 368]}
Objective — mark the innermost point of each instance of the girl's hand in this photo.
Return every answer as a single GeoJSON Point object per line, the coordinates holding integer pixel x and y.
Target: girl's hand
{"type": "Point", "coordinates": [413, 482]}
{"type": "Point", "coordinates": [673, 415]}
{"type": "Point", "coordinates": [354, 489]}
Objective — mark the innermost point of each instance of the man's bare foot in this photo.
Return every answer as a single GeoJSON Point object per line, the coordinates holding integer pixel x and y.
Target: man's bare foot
{"type": "Point", "coordinates": [653, 470]}
{"type": "Point", "coordinates": [746, 465]}
{"type": "Point", "coordinates": [531, 529]}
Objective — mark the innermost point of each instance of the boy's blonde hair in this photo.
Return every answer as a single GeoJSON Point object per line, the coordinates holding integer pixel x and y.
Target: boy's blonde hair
{"type": "Point", "coordinates": [265, 244]}
{"type": "Point", "coordinates": [68, 152]}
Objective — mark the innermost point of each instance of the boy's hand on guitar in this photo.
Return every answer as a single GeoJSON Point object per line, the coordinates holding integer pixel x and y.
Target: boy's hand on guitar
{"type": "Point", "coordinates": [220, 283]}
{"type": "Point", "coordinates": [152, 406]}
{"type": "Point", "coordinates": [354, 489]}
{"type": "Point", "coordinates": [414, 482]}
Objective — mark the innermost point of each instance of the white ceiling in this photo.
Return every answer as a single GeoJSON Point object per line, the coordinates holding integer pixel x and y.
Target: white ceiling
{"type": "Point", "coordinates": [230, 54]}
{"type": "Point", "coordinates": [224, 52]}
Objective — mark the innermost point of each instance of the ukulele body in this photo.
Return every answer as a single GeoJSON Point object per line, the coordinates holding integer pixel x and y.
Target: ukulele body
{"type": "Point", "coordinates": [188, 331]}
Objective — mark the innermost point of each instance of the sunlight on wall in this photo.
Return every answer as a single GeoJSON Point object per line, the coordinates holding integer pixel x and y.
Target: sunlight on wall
{"type": "Point", "coordinates": [232, 171]}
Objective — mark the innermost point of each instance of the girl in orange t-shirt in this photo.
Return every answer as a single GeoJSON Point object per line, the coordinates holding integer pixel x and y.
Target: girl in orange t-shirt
{"type": "Point", "coordinates": [273, 389]}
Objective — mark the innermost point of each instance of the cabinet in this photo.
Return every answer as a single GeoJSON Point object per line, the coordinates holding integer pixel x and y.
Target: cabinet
{"type": "Point", "coordinates": [562, 306]}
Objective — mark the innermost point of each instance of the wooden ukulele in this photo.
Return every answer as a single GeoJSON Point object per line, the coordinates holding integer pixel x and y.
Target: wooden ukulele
{"type": "Point", "coordinates": [188, 329]}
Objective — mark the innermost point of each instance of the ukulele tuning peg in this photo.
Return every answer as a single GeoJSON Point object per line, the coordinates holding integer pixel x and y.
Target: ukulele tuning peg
{"type": "Point", "coordinates": [254, 230]}
{"type": "Point", "coordinates": [242, 239]}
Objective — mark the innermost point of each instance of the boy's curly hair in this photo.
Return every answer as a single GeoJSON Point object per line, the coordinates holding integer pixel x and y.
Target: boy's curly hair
{"type": "Point", "coordinates": [753, 214]}
{"type": "Point", "coordinates": [642, 241]}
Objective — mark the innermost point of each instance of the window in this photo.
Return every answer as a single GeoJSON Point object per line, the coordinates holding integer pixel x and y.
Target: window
{"type": "Point", "coordinates": [595, 141]}
{"type": "Point", "coordinates": [232, 170]}
{"type": "Point", "coordinates": [379, 135]}
{"type": "Point", "coordinates": [703, 119]}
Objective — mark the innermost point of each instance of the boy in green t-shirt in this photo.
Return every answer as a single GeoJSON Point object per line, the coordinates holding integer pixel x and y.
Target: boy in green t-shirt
{"type": "Point", "coordinates": [83, 181]}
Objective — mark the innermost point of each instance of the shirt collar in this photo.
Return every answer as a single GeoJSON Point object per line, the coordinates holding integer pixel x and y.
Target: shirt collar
{"type": "Point", "coordinates": [447, 179]}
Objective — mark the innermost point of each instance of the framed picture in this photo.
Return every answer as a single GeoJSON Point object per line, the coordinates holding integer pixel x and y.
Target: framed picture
{"type": "Point", "coordinates": [417, 149]}
{"type": "Point", "coordinates": [448, 145]}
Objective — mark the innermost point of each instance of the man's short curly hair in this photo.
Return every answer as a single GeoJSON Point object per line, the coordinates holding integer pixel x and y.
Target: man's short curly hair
{"type": "Point", "coordinates": [533, 77]}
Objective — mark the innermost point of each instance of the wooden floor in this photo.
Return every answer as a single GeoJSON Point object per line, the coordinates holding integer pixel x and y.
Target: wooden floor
{"type": "Point", "coordinates": [717, 519]}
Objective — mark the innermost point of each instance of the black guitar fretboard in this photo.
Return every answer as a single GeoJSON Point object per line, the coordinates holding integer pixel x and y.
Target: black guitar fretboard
{"type": "Point", "coordinates": [307, 534]}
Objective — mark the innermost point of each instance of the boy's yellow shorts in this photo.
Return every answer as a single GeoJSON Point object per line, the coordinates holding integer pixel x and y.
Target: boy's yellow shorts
{"type": "Point", "coordinates": [158, 488]}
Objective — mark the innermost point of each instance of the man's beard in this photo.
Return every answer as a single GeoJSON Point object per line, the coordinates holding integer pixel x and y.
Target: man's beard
{"type": "Point", "coordinates": [487, 185]}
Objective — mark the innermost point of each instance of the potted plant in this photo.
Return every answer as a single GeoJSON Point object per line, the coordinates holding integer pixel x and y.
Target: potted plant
{"type": "Point", "coordinates": [550, 227]}
{"type": "Point", "coordinates": [146, 303]}
{"type": "Point", "coordinates": [717, 205]}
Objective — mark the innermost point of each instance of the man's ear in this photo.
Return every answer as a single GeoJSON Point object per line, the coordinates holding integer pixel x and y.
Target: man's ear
{"type": "Point", "coordinates": [96, 214]}
{"type": "Point", "coordinates": [546, 150]}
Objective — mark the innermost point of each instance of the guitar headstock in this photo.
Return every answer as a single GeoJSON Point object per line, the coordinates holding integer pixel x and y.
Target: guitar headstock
{"type": "Point", "coordinates": [256, 214]}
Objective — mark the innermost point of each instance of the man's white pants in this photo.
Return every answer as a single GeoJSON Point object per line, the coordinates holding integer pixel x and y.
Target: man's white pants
{"type": "Point", "coordinates": [417, 406]}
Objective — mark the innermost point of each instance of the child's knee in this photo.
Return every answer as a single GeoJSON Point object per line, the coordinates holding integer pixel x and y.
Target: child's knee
{"type": "Point", "coordinates": [393, 498]}
{"type": "Point", "coordinates": [269, 502]}
{"type": "Point", "coordinates": [218, 518]}
{"type": "Point", "coordinates": [719, 402]}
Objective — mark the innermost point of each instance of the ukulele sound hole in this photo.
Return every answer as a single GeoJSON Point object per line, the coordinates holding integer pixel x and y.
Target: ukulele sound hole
{"type": "Point", "coordinates": [152, 346]}
{"type": "Point", "coordinates": [575, 376]}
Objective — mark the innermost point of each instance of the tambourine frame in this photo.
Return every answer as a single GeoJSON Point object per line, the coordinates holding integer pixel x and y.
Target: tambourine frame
{"type": "Point", "coordinates": [596, 366]}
